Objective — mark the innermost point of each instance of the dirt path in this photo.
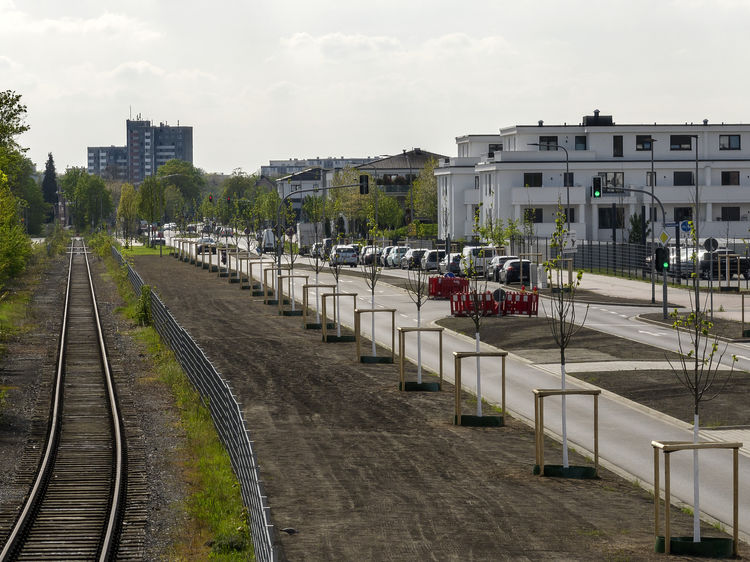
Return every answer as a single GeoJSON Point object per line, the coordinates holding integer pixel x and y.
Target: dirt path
{"type": "Point", "coordinates": [365, 472]}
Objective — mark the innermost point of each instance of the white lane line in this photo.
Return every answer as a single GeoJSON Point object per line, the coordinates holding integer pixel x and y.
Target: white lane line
{"type": "Point", "coordinates": [656, 334]}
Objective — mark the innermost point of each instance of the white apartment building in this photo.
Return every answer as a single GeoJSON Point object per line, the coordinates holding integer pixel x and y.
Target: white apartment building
{"type": "Point", "coordinates": [523, 168]}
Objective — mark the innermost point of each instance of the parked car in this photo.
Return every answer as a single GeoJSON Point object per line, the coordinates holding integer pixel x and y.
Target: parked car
{"type": "Point", "coordinates": [413, 258]}
{"type": "Point", "coordinates": [206, 242]}
{"type": "Point", "coordinates": [475, 259]}
{"type": "Point", "coordinates": [450, 266]}
{"type": "Point", "coordinates": [316, 250]}
{"type": "Point", "coordinates": [384, 255]}
{"type": "Point", "coordinates": [343, 255]}
{"type": "Point", "coordinates": [395, 255]}
{"type": "Point", "coordinates": [511, 271]}
{"type": "Point", "coordinates": [369, 255]}
{"type": "Point", "coordinates": [431, 259]}
{"type": "Point", "coordinates": [495, 265]}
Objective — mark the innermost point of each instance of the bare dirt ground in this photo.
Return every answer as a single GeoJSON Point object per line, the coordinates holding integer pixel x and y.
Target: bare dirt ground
{"type": "Point", "coordinates": [364, 472]}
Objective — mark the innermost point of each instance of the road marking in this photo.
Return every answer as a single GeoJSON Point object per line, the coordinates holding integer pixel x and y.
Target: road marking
{"type": "Point", "coordinates": [657, 334]}
{"type": "Point", "coordinates": [742, 357]}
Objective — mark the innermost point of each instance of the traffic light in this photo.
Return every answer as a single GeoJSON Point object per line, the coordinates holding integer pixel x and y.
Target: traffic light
{"type": "Point", "coordinates": [596, 187]}
{"type": "Point", "coordinates": [210, 197]}
{"type": "Point", "coordinates": [662, 259]}
{"type": "Point", "coordinates": [229, 200]}
{"type": "Point", "coordinates": [364, 184]}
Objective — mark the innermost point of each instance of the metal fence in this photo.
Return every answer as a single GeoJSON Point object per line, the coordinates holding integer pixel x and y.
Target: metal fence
{"type": "Point", "coordinates": [225, 412]}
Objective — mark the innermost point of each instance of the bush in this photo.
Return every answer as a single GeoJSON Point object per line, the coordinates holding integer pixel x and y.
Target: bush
{"type": "Point", "coordinates": [143, 308]}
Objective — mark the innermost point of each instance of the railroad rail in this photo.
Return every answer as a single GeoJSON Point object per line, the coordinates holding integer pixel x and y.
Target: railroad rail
{"type": "Point", "coordinates": [74, 508]}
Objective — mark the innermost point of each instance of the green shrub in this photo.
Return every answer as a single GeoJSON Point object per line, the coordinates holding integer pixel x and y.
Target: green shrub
{"type": "Point", "coordinates": [143, 308]}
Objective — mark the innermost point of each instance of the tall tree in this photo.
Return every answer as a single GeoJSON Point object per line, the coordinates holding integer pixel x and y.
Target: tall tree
{"type": "Point", "coordinates": [12, 115]}
{"type": "Point", "coordinates": [184, 176]}
{"type": "Point", "coordinates": [15, 245]}
{"type": "Point", "coordinates": [49, 183]}
{"type": "Point", "coordinates": [18, 169]}
{"type": "Point", "coordinates": [425, 193]}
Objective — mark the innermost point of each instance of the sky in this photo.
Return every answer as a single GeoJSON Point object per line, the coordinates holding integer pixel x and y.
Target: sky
{"type": "Point", "coordinates": [277, 79]}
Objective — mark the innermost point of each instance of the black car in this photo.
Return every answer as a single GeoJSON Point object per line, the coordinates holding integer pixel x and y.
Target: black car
{"type": "Point", "coordinates": [511, 271]}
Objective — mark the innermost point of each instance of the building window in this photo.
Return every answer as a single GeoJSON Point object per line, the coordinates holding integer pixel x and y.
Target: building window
{"type": "Point", "coordinates": [643, 142]}
{"type": "Point", "coordinates": [547, 143]}
{"type": "Point", "coordinates": [729, 142]}
{"type": "Point", "coordinates": [617, 146]}
{"type": "Point", "coordinates": [496, 147]}
{"type": "Point", "coordinates": [650, 179]}
{"type": "Point", "coordinates": [581, 142]}
{"type": "Point", "coordinates": [683, 178]}
{"type": "Point", "coordinates": [532, 179]}
{"type": "Point", "coordinates": [613, 179]}
{"type": "Point", "coordinates": [609, 219]}
{"type": "Point", "coordinates": [730, 178]}
{"type": "Point", "coordinates": [683, 214]}
{"type": "Point", "coordinates": [476, 182]}
{"type": "Point", "coordinates": [572, 215]}
{"type": "Point", "coordinates": [533, 215]}
{"type": "Point", "coordinates": [568, 179]}
{"type": "Point", "coordinates": [680, 142]}
{"type": "Point", "coordinates": [730, 213]}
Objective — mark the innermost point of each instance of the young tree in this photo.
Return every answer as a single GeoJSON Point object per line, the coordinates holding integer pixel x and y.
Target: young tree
{"type": "Point", "coordinates": [418, 289]}
{"type": "Point", "coordinates": [562, 313]}
{"type": "Point", "coordinates": [127, 212]}
{"type": "Point", "coordinates": [698, 367]}
{"type": "Point", "coordinates": [371, 273]}
{"type": "Point", "coordinates": [151, 201]}
{"type": "Point", "coordinates": [316, 208]}
{"type": "Point", "coordinates": [173, 203]}
{"type": "Point", "coordinates": [477, 289]}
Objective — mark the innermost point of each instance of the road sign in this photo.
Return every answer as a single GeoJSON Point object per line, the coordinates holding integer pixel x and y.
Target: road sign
{"type": "Point", "coordinates": [670, 224]}
{"type": "Point", "coordinates": [569, 243]}
{"type": "Point", "coordinates": [685, 226]}
{"type": "Point", "coordinates": [664, 237]}
{"type": "Point", "coordinates": [711, 244]}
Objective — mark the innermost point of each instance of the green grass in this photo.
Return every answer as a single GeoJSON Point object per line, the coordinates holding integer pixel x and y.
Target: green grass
{"type": "Point", "coordinates": [215, 503]}
{"type": "Point", "coordinates": [144, 251]}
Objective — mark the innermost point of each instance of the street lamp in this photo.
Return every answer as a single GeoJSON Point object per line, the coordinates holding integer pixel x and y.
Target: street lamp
{"type": "Point", "coordinates": [652, 181]}
{"type": "Point", "coordinates": [411, 186]}
{"type": "Point", "coordinates": [566, 179]}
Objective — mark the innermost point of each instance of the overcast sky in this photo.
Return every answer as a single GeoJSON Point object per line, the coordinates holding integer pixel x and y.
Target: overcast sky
{"type": "Point", "coordinates": [274, 79]}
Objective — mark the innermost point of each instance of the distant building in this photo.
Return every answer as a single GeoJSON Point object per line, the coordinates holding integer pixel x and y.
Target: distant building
{"type": "Point", "coordinates": [108, 162]}
{"type": "Point", "coordinates": [148, 148]}
{"type": "Point", "coordinates": [278, 168]}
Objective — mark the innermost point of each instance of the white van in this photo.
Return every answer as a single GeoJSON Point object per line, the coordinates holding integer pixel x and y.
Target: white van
{"type": "Point", "coordinates": [268, 241]}
{"type": "Point", "coordinates": [477, 258]}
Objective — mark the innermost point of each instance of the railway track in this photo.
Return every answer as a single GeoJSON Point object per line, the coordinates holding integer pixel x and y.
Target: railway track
{"type": "Point", "coordinates": [74, 509]}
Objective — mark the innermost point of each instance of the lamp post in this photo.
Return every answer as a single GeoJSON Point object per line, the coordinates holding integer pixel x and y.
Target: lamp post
{"type": "Point", "coordinates": [651, 142]}
{"type": "Point", "coordinates": [566, 178]}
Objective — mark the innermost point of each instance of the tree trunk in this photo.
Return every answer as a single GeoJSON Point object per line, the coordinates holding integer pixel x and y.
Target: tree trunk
{"type": "Point", "coordinates": [563, 411]}
{"type": "Point", "coordinates": [696, 484]}
{"type": "Point", "coordinates": [479, 382]}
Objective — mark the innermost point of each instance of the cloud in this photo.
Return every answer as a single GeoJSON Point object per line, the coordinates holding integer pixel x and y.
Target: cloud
{"type": "Point", "coordinates": [108, 25]}
{"type": "Point", "coordinates": [340, 46]}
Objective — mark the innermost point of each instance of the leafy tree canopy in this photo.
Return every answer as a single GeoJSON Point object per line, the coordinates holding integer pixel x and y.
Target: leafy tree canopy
{"type": "Point", "coordinates": [184, 176]}
{"type": "Point", "coordinates": [12, 115]}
